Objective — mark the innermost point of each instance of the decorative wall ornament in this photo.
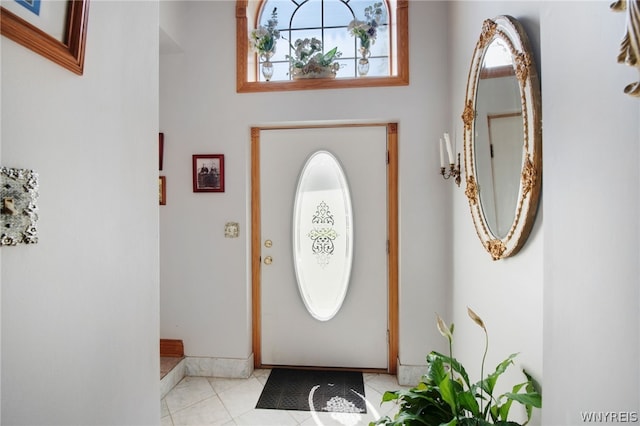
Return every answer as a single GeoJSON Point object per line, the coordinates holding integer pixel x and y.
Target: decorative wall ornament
{"type": "Point", "coordinates": [496, 248]}
{"type": "Point", "coordinates": [472, 190]}
{"type": "Point", "coordinates": [523, 64]}
{"type": "Point", "coordinates": [468, 115]}
{"type": "Point", "coordinates": [630, 44]}
{"type": "Point", "coordinates": [231, 230]}
{"type": "Point", "coordinates": [18, 198]}
{"type": "Point", "coordinates": [488, 31]}
{"type": "Point", "coordinates": [529, 176]}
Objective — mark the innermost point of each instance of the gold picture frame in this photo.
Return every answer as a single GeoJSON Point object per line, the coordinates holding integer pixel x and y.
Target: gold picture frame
{"type": "Point", "coordinates": [69, 53]}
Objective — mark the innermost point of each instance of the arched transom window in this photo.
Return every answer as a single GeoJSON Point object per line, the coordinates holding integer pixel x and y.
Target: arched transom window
{"type": "Point", "coordinates": [329, 23]}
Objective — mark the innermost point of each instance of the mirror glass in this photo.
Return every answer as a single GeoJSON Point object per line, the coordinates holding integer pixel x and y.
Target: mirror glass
{"type": "Point", "coordinates": [322, 235]}
{"type": "Point", "coordinates": [498, 138]}
{"type": "Point", "coordinates": [502, 137]}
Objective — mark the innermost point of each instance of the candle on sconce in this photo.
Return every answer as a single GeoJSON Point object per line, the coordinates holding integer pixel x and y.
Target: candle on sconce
{"type": "Point", "coordinates": [453, 171]}
{"type": "Point", "coordinates": [449, 149]}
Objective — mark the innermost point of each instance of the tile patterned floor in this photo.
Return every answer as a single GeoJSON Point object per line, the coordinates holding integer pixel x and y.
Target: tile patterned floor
{"type": "Point", "coordinates": [201, 401]}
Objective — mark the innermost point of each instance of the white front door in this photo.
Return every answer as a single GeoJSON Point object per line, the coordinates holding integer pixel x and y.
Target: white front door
{"type": "Point", "coordinates": [357, 335]}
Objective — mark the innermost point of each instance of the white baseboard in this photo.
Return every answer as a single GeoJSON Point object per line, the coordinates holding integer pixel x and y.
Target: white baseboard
{"type": "Point", "coordinates": [231, 368]}
{"type": "Point", "coordinates": [172, 378]}
{"type": "Point", "coordinates": [410, 375]}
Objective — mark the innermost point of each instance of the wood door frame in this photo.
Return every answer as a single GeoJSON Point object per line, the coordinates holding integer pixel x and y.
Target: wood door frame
{"type": "Point", "coordinates": [392, 235]}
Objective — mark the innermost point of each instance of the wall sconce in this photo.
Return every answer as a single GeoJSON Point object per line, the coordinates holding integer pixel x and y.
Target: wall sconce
{"type": "Point", "coordinates": [454, 170]}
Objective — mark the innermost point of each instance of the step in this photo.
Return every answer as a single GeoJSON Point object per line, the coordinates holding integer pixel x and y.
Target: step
{"type": "Point", "coordinates": [172, 364]}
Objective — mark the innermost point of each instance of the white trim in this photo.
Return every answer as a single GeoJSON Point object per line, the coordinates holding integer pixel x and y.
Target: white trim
{"type": "Point", "coordinates": [172, 378]}
{"type": "Point", "coordinates": [410, 375]}
{"type": "Point", "coordinates": [231, 368]}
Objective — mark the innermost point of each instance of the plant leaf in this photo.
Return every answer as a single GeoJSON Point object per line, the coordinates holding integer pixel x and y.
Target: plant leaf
{"type": "Point", "coordinates": [489, 383]}
{"type": "Point", "coordinates": [504, 408]}
{"type": "Point", "coordinates": [531, 398]}
{"type": "Point", "coordinates": [330, 54]}
{"type": "Point", "coordinates": [532, 384]}
{"type": "Point", "coordinates": [474, 421]}
{"type": "Point", "coordinates": [455, 365]}
{"type": "Point", "coordinates": [390, 396]}
{"type": "Point", "coordinates": [448, 393]}
{"type": "Point", "coordinates": [468, 401]}
{"type": "Point", "coordinates": [436, 371]}
{"type": "Point", "coordinates": [402, 419]}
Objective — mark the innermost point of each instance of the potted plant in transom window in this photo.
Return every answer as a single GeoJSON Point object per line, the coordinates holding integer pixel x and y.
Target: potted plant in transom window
{"type": "Point", "coordinates": [308, 61]}
{"type": "Point", "coordinates": [263, 42]}
{"type": "Point", "coordinates": [366, 31]}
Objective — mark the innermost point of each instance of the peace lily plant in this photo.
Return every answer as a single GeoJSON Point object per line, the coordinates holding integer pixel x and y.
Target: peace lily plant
{"type": "Point", "coordinates": [446, 397]}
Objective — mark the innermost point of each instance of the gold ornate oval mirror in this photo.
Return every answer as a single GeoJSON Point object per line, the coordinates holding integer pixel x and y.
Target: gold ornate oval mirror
{"type": "Point", "coordinates": [502, 137]}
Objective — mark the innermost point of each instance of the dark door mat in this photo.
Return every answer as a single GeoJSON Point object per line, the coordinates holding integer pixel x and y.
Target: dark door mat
{"type": "Point", "coordinates": [331, 391]}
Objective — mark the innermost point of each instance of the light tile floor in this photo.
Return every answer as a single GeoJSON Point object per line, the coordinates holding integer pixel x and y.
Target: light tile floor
{"type": "Point", "coordinates": [200, 401]}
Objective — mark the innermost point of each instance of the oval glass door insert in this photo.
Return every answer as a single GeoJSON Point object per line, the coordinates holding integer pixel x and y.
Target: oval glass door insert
{"type": "Point", "coordinates": [322, 235]}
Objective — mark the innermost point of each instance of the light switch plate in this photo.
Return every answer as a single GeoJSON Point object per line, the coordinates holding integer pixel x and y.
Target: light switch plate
{"type": "Point", "coordinates": [18, 206]}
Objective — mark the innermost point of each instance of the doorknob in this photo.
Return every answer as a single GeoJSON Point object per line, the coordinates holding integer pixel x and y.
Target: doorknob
{"type": "Point", "coordinates": [268, 260]}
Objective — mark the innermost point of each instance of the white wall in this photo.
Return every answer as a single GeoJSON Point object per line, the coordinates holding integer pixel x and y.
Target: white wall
{"type": "Point", "coordinates": [80, 308]}
{"type": "Point", "coordinates": [569, 297]}
{"type": "Point", "coordinates": [592, 212]}
{"type": "Point", "coordinates": [507, 294]}
{"type": "Point", "coordinates": [569, 300]}
{"type": "Point", "coordinates": [205, 278]}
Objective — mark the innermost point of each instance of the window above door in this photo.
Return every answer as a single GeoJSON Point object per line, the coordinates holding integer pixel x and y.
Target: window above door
{"type": "Point", "coordinates": [328, 21]}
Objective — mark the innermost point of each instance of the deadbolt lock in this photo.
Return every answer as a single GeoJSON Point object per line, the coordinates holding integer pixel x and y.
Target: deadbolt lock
{"type": "Point", "coordinates": [268, 243]}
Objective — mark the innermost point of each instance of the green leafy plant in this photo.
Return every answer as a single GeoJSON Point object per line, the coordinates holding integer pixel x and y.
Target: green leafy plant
{"type": "Point", "coordinates": [367, 30]}
{"type": "Point", "coordinates": [446, 397]}
{"type": "Point", "coordinates": [263, 39]}
{"type": "Point", "coordinates": [308, 59]}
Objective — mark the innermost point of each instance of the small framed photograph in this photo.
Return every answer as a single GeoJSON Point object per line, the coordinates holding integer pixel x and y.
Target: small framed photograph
{"type": "Point", "coordinates": [162, 190]}
{"type": "Point", "coordinates": [208, 173]}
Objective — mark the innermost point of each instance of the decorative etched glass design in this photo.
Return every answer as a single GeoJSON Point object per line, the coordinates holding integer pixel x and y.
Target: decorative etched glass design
{"type": "Point", "coordinates": [322, 235]}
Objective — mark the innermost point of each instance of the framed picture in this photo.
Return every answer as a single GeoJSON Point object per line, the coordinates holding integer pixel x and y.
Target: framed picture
{"type": "Point", "coordinates": [162, 190]}
{"type": "Point", "coordinates": [56, 30]}
{"type": "Point", "coordinates": [208, 173]}
{"type": "Point", "coordinates": [161, 148]}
